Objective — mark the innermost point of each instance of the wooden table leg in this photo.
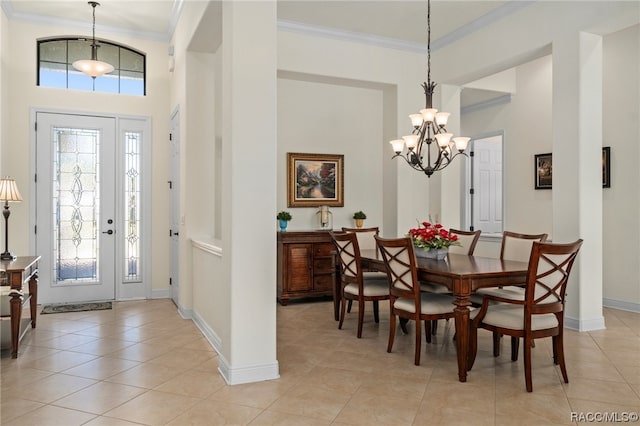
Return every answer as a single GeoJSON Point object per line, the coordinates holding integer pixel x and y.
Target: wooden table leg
{"type": "Point", "coordinates": [16, 316]}
{"type": "Point", "coordinates": [33, 302]}
{"type": "Point", "coordinates": [462, 334]}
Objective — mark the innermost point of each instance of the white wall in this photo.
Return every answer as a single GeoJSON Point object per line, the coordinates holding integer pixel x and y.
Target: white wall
{"type": "Point", "coordinates": [526, 210]}
{"type": "Point", "coordinates": [400, 74]}
{"type": "Point", "coordinates": [24, 95]}
{"type": "Point", "coordinates": [4, 99]}
{"type": "Point", "coordinates": [325, 118]}
{"type": "Point", "coordinates": [621, 202]}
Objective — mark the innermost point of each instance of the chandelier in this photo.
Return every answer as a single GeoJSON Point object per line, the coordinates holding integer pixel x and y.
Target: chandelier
{"type": "Point", "coordinates": [93, 67]}
{"type": "Point", "coordinates": [430, 147]}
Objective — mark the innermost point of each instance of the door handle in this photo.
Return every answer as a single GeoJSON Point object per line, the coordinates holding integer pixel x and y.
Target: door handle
{"type": "Point", "coordinates": [110, 231]}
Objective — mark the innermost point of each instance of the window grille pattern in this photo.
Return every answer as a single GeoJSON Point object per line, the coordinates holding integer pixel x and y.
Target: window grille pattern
{"type": "Point", "coordinates": [133, 141]}
{"type": "Point", "coordinates": [76, 201]}
{"type": "Point", "coordinates": [55, 69]}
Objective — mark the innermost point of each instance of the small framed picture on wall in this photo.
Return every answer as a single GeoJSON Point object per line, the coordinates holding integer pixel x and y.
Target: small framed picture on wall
{"type": "Point", "coordinates": [543, 171]}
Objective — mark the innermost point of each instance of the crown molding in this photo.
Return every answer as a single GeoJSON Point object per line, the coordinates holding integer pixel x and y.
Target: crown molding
{"type": "Point", "coordinates": [483, 21]}
{"type": "Point", "coordinates": [7, 7]}
{"type": "Point", "coordinates": [495, 15]}
{"type": "Point", "coordinates": [504, 99]}
{"type": "Point", "coordinates": [352, 36]}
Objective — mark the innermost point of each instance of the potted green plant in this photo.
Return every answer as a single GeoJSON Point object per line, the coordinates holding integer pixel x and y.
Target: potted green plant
{"type": "Point", "coordinates": [359, 217]}
{"type": "Point", "coordinates": [283, 219]}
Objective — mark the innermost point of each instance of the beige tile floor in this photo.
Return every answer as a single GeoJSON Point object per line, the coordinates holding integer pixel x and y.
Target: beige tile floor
{"type": "Point", "coordinates": [140, 363]}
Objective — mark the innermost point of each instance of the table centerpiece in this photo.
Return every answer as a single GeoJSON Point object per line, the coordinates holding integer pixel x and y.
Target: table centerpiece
{"type": "Point", "coordinates": [432, 240]}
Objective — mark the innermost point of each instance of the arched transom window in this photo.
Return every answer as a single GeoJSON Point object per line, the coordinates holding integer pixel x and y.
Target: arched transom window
{"type": "Point", "coordinates": [55, 69]}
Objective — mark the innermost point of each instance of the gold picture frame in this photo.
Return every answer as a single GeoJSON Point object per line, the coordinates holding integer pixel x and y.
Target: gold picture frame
{"type": "Point", "coordinates": [315, 180]}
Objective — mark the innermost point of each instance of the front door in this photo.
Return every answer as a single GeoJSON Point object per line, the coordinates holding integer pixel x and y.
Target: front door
{"type": "Point", "coordinates": [76, 227]}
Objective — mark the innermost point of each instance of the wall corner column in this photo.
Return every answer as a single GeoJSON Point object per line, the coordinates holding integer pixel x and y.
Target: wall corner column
{"type": "Point", "coordinates": [249, 67]}
{"type": "Point", "coordinates": [577, 171]}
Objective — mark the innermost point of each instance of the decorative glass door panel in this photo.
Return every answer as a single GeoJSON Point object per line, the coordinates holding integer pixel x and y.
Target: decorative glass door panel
{"type": "Point", "coordinates": [75, 210]}
{"type": "Point", "coordinates": [132, 213]}
{"type": "Point", "coordinates": [76, 204]}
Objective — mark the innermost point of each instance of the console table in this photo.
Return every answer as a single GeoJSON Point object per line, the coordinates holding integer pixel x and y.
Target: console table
{"type": "Point", "coordinates": [22, 282]}
{"type": "Point", "coordinates": [306, 265]}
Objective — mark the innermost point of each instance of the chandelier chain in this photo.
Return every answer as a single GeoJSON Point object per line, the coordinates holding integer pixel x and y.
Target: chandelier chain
{"type": "Point", "coordinates": [429, 43]}
{"type": "Point", "coordinates": [93, 5]}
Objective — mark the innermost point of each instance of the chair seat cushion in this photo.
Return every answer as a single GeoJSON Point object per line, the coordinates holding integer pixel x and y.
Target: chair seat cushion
{"type": "Point", "coordinates": [510, 292]}
{"type": "Point", "coordinates": [371, 288]}
{"type": "Point", "coordinates": [431, 304]}
{"type": "Point", "coordinates": [511, 316]}
{"type": "Point", "coordinates": [434, 288]}
{"type": "Point", "coordinates": [374, 275]}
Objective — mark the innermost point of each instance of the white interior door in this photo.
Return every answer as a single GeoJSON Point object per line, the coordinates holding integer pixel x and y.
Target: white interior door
{"type": "Point", "coordinates": [487, 184]}
{"type": "Point", "coordinates": [75, 207]}
{"type": "Point", "coordinates": [174, 208]}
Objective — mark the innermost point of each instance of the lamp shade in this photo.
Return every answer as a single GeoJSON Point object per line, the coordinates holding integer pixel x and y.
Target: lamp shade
{"type": "Point", "coordinates": [93, 68]}
{"type": "Point", "coordinates": [9, 190]}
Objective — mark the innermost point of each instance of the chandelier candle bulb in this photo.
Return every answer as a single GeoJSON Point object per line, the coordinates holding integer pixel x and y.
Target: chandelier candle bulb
{"type": "Point", "coordinates": [411, 141]}
{"type": "Point", "coordinates": [442, 118]}
{"type": "Point", "coordinates": [398, 145]}
{"type": "Point", "coordinates": [444, 139]}
{"type": "Point", "coordinates": [461, 142]}
{"type": "Point", "coordinates": [416, 119]}
{"type": "Point", "coordinates": [428, 114]}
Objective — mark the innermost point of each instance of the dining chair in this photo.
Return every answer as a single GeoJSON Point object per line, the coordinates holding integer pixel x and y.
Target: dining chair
{"type": "Point", "coordinates": [366, 241]}
{"type": "Point", "coordinates": [514, 246]}
{"type": "Point", "coordinates": [355, 284]}
{"type": "Point", "coordinates": [540, 314]}
{"type": "Point", "coordinates": [406, 300]}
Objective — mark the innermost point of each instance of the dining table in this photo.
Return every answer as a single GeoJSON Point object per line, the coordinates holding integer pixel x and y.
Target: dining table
{"type": "Point", "coordinates": [463, 275]}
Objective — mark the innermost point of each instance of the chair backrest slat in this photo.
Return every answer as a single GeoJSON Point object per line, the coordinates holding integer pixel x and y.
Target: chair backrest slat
{"type": "Point", "coordinates": [348, 252]}
{"type": "Point", "coordinates": [549, 268]}
{"type": "Point", "coordinates": [400, 260]}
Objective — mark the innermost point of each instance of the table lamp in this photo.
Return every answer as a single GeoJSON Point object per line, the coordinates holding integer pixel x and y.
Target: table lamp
{"type": "Point", "coordinates": [8, 192]}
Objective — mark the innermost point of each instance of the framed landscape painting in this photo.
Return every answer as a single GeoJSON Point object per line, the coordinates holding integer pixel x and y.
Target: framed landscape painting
{"type": "Point", "coordinates": [315, 180]}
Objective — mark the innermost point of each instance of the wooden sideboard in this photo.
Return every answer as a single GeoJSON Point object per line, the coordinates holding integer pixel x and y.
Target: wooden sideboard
{"type": "Point", "coordinates": [306, 265]}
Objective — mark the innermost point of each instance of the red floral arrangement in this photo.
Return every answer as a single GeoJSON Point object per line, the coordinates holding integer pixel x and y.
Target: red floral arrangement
{"type": "Point", "coordinates": [432, 236]}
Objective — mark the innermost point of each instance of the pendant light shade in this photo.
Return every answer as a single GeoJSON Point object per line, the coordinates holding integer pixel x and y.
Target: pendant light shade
{"type": "Point", "coordinates": [93, 67]}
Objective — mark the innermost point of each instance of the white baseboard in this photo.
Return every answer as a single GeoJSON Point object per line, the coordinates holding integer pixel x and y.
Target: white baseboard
{"type": "Point", "coordinates": [160, 294]}
{"type": "Point", "coordinates": [591, 324]}
{"type": "Point", "coordinates": [621, 305]}
{"type": "Point", "coordinates": [208, 333]}
{"type": "Point", "coordinates": [247, 374]}
{"type": "Point", "coordinates": [235, 375]}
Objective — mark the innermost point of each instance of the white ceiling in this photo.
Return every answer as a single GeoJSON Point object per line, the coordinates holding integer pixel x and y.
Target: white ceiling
{"type": "Point", "coordinates": [403, 20]}
{"type": "Point", "coordinates": [396, 19]}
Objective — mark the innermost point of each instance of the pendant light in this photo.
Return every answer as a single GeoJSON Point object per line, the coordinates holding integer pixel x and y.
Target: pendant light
{"type": "Point", "coordinates": [430, 148]}
{"type": "Point", "coordinates": [93, 67]}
